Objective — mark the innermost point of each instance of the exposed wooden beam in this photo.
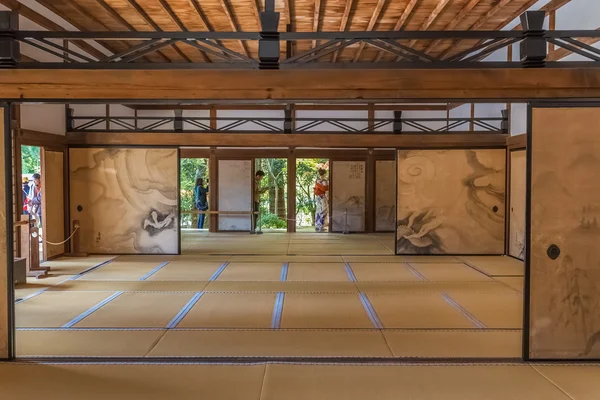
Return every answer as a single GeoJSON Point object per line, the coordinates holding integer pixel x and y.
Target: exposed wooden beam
{"type": "Point", "coordinates": [207, 24]}
{"type": "Point", "coordinates": [560, 52]}
{"type": "Point", "coordinates": [406, 14]}
{"type": "Point", "coordinates": [316, 17]}
{"type": "Point", "coordinates": [317, 139]}
{"type": "Point", "coordinates": [372, 22]}
{"type": "Point", "coordinates": [552, 27]}
{"type": "Point", "coordinates": [548, 8]}
{"type": "Point", "coordinates": [44, 22]}
{"type": "Point", "coordinates": [118, 17]}
{"type": "Point", "coordinates": [303, 107]}
{"type": "Point", "coordinates": [462, 14]}
{"type": "Point", "coordinates": [480, 22]}
{"type": "Point", "coordinates": [399, 85]}
{"type": "Point", "coordinates": [287, 10]}
{"type": "Point", "coordinates": [181, 26]}
{"type": "Point", "coordinates": [516, 142]}
{"type": "Point", "coordinates": [51, 6]}
{"type": "Point", "coordinates": [256, 11]}
{"type": "Point", "coordinates": [431, 19]}
{"type": "Point", "coordinates": [344, 23]}
{"type": "Point", "coordinates": [233, 24]}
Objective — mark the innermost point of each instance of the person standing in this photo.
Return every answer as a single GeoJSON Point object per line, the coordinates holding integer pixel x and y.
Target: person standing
{"type": "Point", "coordinates": [34, 198]}
{"type": "Point", "coordinates": [200, 196]}
{"type": "Point", "coordinates": [257, 192]}
{"type": "Point", "coordinates": [26, 188]}
{"type": "Point", "coordinates": [322, 207]}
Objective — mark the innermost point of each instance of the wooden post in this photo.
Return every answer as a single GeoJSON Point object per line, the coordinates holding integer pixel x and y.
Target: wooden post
{"type": "Point", "coordinates": [76, 241]}
{"type": "Point", "coordinates": [370, 194]}
{"type": "Point", "coordinates": [213, 187]}
{"type": "Point", "coordinates": [213, 118]}
{"type": "Point", "coordinates": [30, 247]}
{"type": "Point", "coordinates": [472, 123]}
{"type": "Point", "coordinates": [291, 192]}
{"type": "Point", "coordinates": [371, 117]}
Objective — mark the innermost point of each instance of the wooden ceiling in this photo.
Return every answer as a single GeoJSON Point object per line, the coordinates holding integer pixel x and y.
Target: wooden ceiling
{"type": "Point", "coordinates": [300, 15]}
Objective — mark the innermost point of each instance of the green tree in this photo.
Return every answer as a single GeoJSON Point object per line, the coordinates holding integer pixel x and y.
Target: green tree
{"type": "Point", "coordinates": [189, 170]}
{"type": "Point", "coordinates": [30, 160]}
{"type": "Point", "coordinates": [306, 175]}
{"type": "Point", "coordinates": [273, 203]}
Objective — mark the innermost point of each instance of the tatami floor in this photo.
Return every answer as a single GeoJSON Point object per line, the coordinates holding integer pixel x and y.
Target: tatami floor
{"type": "Point", "coordinates": [275, 295]}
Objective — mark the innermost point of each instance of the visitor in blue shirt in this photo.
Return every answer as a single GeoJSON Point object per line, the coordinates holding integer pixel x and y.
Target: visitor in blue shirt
{"type": "Point", "coordinates": [200, 193]}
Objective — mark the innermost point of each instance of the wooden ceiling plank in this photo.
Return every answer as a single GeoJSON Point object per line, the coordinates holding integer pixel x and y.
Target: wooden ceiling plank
{"type": "Point", "coordinates": [441, 5]}
{"type": "Point", "coordinates": [454, 22]}
{"type": "Point", "coordinates": [406, 14]}
{"type": "Point", "coordinates": [316, 18]}
{"type": "Point", "coordinates": [480, 22]}
{"type": "Point", "coordinates": [118, 17]}
{"type": "Point", "coordinates": [234, 25]}
{"type": "Point", "coordinates": [287, 11]}
{"type": "Point", "coordinates": [44, 22]}
{"type": "Point", "coordinates": [181, 26]}
{"type": "Point", "coordinates": [344, 22]}
{"type": "Point", "coordinates": [107, 44]}
{"type": "Point", "coordinates": [372, 22]}
{"type": "Point", "coordinates": [207, 24]}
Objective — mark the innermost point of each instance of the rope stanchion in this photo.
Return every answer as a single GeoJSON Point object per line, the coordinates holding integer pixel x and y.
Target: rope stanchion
{"type": "Point", "coordinates": [64, 241]}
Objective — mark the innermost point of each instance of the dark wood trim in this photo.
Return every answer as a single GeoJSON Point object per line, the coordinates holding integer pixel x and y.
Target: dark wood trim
{"type": "Point", "coordinates": [516, 142]}
{"type": "Point", "coordinates": [308, 140]}
{"type": "Point", "coordinates": [291, 85]}
{"type": "Point", "coordinates": [370, 192]}
{"type": "Point", "coordinates": [27, 137]}
{"type": "Point", "coordinates": [186, 152]}
{"type": "Point", "coordinates": [302, 107]}
{"type": "Point", "coordinates": [291, 192]}
{"type": "Point", "coordinates": [213, 190]}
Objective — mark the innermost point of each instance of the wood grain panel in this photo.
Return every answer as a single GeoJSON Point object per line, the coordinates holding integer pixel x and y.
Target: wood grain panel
{"type": "Point", "coordinates": [385, 195]}
{"type": "Point", "coordinates": [451, 201]}
{"type": "Point", "coordinates": [517, 204]}
{"type": "Point", "coordinates": [504, 84]}
{"type": "Point", "coordinates": [564, 322]}
{"type": "Point", "coordinates": [53, 202]}
{"type": "Point", "coordinates": [348, 200]}
{"type": "Point", "coordinates": [4, 334]}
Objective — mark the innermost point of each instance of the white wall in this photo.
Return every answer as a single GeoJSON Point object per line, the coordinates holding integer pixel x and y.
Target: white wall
{"type": "Point", "coordinates": [49, 118]}
{"type": "Point", "coordinates": [326, 127]}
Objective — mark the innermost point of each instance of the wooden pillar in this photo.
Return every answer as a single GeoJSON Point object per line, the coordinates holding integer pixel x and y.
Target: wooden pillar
{"type": "Point", "coordinates": [370, 194]}
{"type": "Point", "coordinates": [472, 123]}
{"type": "Point", "coordinates": [213, 188]}
{"type": "Point", "coordinates": [6, 239]}
{"type": "Point", "coordinates": [291, 192]}
{"type": "Point", "coordinates": [509, 57]}
{"type": "Point", "coordinates": [108, 117]}
{"type": "Point", "coordinates": [213, 117]}
{"type": "Point", "coordinates": [371, 117]}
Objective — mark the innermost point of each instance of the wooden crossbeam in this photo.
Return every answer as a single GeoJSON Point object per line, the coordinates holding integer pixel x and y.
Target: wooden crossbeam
{"type": "Point", "coordinates": [316, 17]}
{"type": "Point", "coordinates": [401, 85]}
{"type": "Point", "coordinates": [344, 22]}
{"type": "Point", "coordinates": [233, 24]}
{"type": "Point", "coordinates": [462, 14]}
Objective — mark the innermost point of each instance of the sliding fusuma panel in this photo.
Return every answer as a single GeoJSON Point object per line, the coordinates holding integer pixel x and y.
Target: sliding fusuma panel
{"type": "Point", "coordinates": [125, 199]}
{"type": "Point", "coordinates": [235, 195]}
{"type": "Point", "coordinates": [516, 244]}
{"type": "Point", "coordinates": [451, 201]}
{"type": "Point", "coordinates": [563, 253]}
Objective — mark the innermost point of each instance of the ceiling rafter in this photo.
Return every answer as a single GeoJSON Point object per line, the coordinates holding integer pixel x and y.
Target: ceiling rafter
{"type": "Point", "coordinates": [234, 25]}
{"type": "Point", "coordinates": [45, 23]}
{"type": "Point", "coordinates": [154, 25]}
{"type": "Point", "coordinates": [431, 19]}
{"type": "Point", "coordinates": [482, 21]}
{"type": "Point", "coordinates": [404, 17]}
{"type": "Point", "coordinates": [316, 17]}
{"type": "Point", "coordinates": [126, 24]}
{"type": "Point", "coordinates": [181, 25]}
{"type": "Point", "coordinates": [455, 21]}
{"type": "Point", "coordinates": [207, 24]}
{"type": "Point", "coordinates": [344, 23]}
{"type": "Point", "coordinates": [52, 7]}
{"type": "Point", "coordinates": [372, 22]}
{"type": "Point", "coordinates": [256, 11]}
{"type": "Point", "coordinates": [287, 11]}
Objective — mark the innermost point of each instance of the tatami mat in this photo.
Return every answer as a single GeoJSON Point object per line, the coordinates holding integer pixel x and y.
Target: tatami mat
{"type": "Point", "coordinates": [287, 286]}
{"type": "Point", "coordinates": [82, 343]}
{"type": "Point", "coordinates": [580, 382]}
{"type": "Point", "coordinates": [137, 310]}
{"type": "Point", "coordinates": [394, 259]}
{"type": "Point", "coordinates": [324, 311]}
{"type": "Point", "coordinates": [383, 272]}
{"type": "Point", "coordinates": [131, 286]}
{"type": "Point", "coordinates": [515, 282]}
{"type": "Point", "coordinates": [274, 343]}
{"type": "Point", "coordinates": [448, 382]}
{"type": "Point", "coordinates": [323, 272]}
{"type": "Point", "coordinates": [417, 311]}
{"type": "Point", "coordinates": [126, 270]}
{"type": "Point", "coordinates": [129, 381]}
{"type": "Point", "coordinates": [455, 343]}
{"type": "Point", "coordinates": [249, 272]}
{"type": "Point", "coordinates": [285, 258]}
{"type": "Point", "coordinates": [498, 311]}
{"type": "Point", "coordinates": [186, 270]}
{"type": "Point", "coordinates": [231, 310]}
{"type": "Point", "coordinates": [489, 287]}
{"type": "Point", "coordinates": [54, 309]}
{"type": "Point", "coordinates": [72, 266]}
{"type": "Point", "coordinates": [496, 265]}
{"type": "Point", "coordinates": [449, 272]}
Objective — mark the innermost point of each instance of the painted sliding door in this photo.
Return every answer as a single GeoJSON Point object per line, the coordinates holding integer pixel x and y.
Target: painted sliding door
{"type": "Point", "coordinates": [563, 257]}
{"type": "Point", "coordinates": [53, 204]}
{"type": "Point", "coordinates": [385, 195]}
{"type": "Point", "coordinates": [348, 196]}
{"type": "Point", "coordinates": [125, 199]}
{"type": "Point", "coordinates": [451, 201]}
{"type": "Point", "coordinates": [235, 194]}
{"type": "Point", "coordinates": [516, 244]}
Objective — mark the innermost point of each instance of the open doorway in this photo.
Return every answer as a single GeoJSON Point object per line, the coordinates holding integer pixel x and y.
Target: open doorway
{"type": "Point", "coordinates": [273, 197]}
{"type": "Point", "coordinates": [194, 198]}
{"type": "Point", "coordinates": [31, 192]}
{"type": "Point", "coordinates": [307, 173]}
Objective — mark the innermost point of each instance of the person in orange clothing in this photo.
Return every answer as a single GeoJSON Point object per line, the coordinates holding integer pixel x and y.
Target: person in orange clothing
{"type": "Point", "coordinates": [322, 207]}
